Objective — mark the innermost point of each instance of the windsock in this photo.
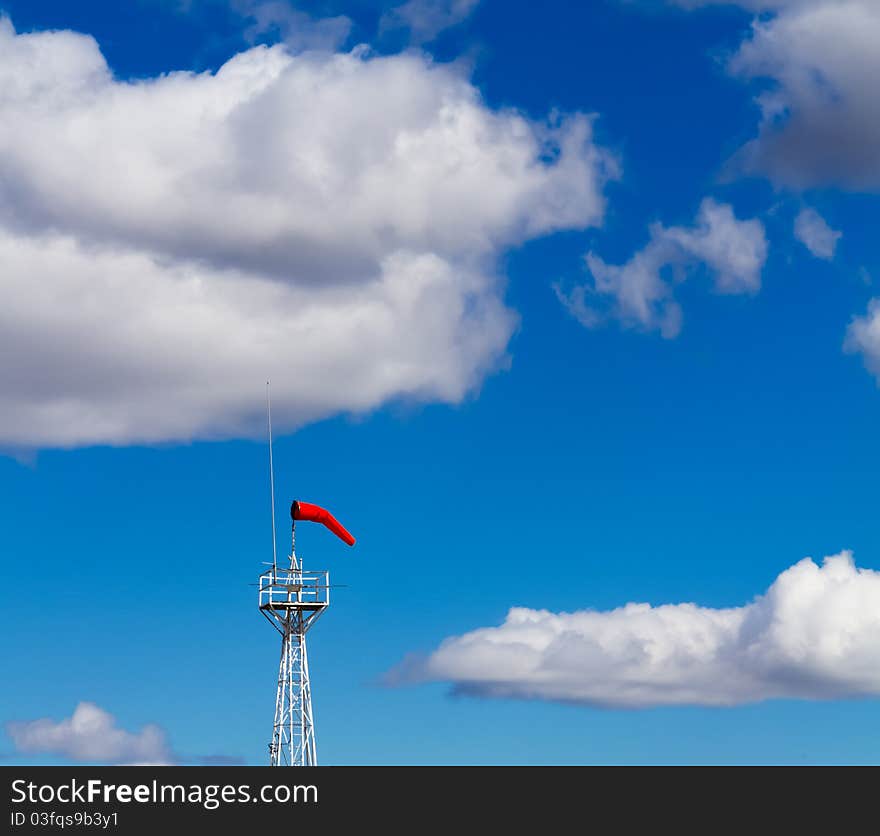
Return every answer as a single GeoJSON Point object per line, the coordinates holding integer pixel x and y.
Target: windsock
{"type": "Point", "coordinates": [314, 513]}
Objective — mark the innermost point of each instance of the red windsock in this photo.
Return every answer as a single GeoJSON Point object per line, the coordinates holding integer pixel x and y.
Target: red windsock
{"type": "Point", "coordinates": [314, 513]}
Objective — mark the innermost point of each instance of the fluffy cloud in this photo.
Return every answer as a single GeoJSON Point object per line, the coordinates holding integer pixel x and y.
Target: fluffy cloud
{"type": "Point", "coordinates": [91, 734]}
{"type": "Point", "coordinates": [820, 120]}
{"type": "Point", "coordinates": [297, 29]}
{"type": "Point", "coordinates": [863, 337]}
{"type": "Point", "coordinates": [331, 221]}
{"type": "Point", "coordinates": [811, 229]}
{"type": "Point", "coordinates": [750, 5]}
{"type": "Point", "coordinates": [121, 347]}
{"type": "Point", "coordinates": [641, 292]}
{"type": "Point", "coordinates": [815, 634]}
{"type": "Point", "coordinates": [426, 19]}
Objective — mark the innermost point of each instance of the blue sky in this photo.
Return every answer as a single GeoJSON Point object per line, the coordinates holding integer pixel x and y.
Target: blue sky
{"type": "Point", "coordinates": [594, 467]}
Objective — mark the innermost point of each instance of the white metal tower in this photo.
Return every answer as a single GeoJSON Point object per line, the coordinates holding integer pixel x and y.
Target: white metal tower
{"type": "Point", "coordinates": [292, 600]}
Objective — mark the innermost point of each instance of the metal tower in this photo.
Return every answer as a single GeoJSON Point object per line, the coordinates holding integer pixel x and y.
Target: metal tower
{"type": "Point", "coordinates": [292, 600]}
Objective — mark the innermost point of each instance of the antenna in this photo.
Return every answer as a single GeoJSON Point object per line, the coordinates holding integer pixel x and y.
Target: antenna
{"type": "Point", "coordinates": [271, 480]}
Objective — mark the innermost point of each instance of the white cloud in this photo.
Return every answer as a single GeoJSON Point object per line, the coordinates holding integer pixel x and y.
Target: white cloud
{"type": "Point", "coordinates": [426, 19]}
{"type": "Point", "coordinates": [820, 121]}
{"type": "Point", "coordinates": [640, 292]}
{"type": "Point", "coordinates": [812, 230]}
{"type": "Point", "coordinates": [863, 337]}
{"type": "Point", "coordinates": [298, 30]}
{"type": "Point", "coordinates": [122, 348]}
{"type": "Point", "coordinates": [331, 221]}
{"type": "Point", "coordinates": [749, 5]}
{"type": "Point", "coordinates": [91, 734]}
{"type": "Point", "coordinates": [815, 634]}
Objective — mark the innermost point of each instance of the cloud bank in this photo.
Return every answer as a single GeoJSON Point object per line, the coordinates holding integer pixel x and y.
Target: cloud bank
{"type": "Point", "coordinates": [815, 634]}
{"type": "Point", "coordinates": [91, 734]}
{"type": "Point", "coordinates": [641, 292]}
{"type": "Point", "coordinates": [331, 221]}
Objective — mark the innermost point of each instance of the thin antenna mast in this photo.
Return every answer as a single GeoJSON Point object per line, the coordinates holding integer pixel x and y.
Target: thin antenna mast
{"type": "Point", "coordinates": [271, 482]}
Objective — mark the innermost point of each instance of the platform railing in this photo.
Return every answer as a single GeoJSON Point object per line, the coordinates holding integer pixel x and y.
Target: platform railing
{"type": "Point", "coordinates": [290, 586]}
